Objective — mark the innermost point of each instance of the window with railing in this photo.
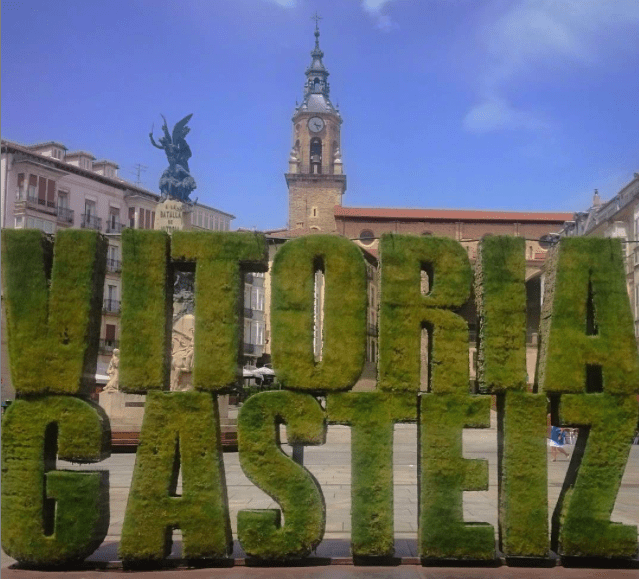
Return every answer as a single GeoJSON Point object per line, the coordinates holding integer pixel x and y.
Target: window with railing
{"type": "Point", "coordinates": [111, 306]}
{"type": "Point", "coordinates": [113, 223]}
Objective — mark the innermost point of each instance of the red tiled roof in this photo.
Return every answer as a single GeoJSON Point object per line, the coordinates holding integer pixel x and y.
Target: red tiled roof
{"type": "Point", "coordinates": [292, 233]}
{"type": "Point", "coordinates": [449, 214]}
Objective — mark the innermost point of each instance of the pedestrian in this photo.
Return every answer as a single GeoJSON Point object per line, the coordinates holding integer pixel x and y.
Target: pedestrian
{"type": "Point", "coordinates": [557, 441]}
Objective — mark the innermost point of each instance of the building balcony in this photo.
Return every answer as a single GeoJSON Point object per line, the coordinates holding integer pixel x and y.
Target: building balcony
{"type": "Point", "coordinates": [111, 307]}
{"type": "Point", "coordinates": [29, 201]}
{"type": "Point", "coordinates": [249, 348]}
{"type": "Point", "coordinates": [107, 346]}
{"type": "Point", "coordinates": [114, 265]}
{"type": "Point", "coordinates": [91, 222]}
{"type": "Point", "coordinates": [65, 215]}
{"type": "Point", "coordinates": [114, 226]}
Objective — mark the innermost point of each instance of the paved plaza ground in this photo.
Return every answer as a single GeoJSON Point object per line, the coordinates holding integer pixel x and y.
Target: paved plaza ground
{"type": "Point", "coordinates": [330, 464]}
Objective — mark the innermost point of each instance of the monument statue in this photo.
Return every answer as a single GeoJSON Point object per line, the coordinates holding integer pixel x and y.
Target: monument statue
{"type": "Point", "coordinates": [182, 354]}
{"type": "Point", "coordinates": [113, 372]}
{"type": "Point", "coordinates": [176, 181]}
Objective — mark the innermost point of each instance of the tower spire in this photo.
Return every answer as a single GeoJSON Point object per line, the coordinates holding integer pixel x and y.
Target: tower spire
{"type": "Point", "coordinates": [316, 87]}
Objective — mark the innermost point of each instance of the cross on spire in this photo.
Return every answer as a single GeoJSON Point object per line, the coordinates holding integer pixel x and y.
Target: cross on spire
{"type": "Point", "coordinates": [317, 18]}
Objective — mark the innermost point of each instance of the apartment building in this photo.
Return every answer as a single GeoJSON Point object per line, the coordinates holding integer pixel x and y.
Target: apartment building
{"type": "Point", "coordinates": [45, 186]}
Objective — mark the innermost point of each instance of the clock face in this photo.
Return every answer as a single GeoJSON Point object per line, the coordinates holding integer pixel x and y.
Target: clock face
{"type": "Point", "coordinates": [315, 124]}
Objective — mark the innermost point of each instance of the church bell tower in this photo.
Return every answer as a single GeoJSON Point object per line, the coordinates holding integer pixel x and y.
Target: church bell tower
{"type": "Point", "coordinates": [315, 178]}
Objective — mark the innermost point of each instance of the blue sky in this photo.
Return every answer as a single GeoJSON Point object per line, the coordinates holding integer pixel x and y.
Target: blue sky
{"type": "Point", "coordinates": [482, 104]}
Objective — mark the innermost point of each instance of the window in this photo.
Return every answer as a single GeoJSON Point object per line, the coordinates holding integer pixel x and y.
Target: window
{"type": "Point", "coordinates": [132, 217]}
{"type": "Point", "coordinates": [257, 333]}
{"type": "Point", "coordinates": [33, 186]}
{"type": "Point", "coordinates": [42, 191]}
{"type": "Point", "coordinates": [366, 237]}
{"type": "Point", "coordinates": [21, 192]}
{"type": "Point", "coordinates": [42, 224]}
{"type": "Point", "coordinates": [89, 208]}
{"type": "Point", "coordinates": [18, 222]}
{"type": "Point", "coordinates": [257, 299]}
{"type": "Point", "coordinates": [247, 296]}
{"type": "Point", "coordinates": [141, 218]}
{"type": "Point", "coordinates": [113, 225]}
{"type": "Point", "coordinates": [147, 219]}
{"type": "Point", "coordinates": [63, 199]}
{"type": "Point", "coordinates": [109, 337]}
{"type": "Point", "coordinates": [152, 219]}
{"type": "Point", "coordinates": [113, 252]}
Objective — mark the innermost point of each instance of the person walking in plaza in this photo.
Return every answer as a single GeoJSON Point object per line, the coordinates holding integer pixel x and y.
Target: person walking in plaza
{"type": "Point", "coordinates": [557, 441]}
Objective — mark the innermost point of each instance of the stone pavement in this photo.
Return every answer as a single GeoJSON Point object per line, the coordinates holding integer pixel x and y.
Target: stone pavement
{"type": "Point", "coordinates": [330, 464]}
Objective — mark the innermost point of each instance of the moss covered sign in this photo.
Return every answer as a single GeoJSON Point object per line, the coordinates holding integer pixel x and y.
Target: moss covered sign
{"type": "Point", "coordinates": [588, 372]}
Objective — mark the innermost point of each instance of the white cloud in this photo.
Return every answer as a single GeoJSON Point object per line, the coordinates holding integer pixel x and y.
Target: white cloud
{"type": "Point", "coordinates": [531, 34]}
{"type": "Point", "coordinates": [496, 114]}
{"type": "Point", "coordinates": [375, 9]}
{"type": "Point", "coordinates": [285, 3]}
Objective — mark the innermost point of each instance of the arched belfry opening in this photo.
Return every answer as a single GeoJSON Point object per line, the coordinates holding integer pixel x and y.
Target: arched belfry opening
{"type": "Point", "coordinates": [316, 84]}
{"type": "Point", "coordinates": [316, 155]}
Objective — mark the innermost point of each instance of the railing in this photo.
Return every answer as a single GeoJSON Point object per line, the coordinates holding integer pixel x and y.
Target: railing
{"type": "Point", "coordinates": [91, 221]}
{"type": "Point", "coordinates": [114, 265]}
{"type": "Point", "coordinates": [113, 226]}
{"type": "Point", "coordinates": [248, 312]}
{"type": "Point", "coordinates": [107, 346]}
{"type": "Point", "coordinates": [36, 203]}
{"type": "Point", "coordinates": [65, 215]}
{"type": "Point", "coordinates": [111, 307]}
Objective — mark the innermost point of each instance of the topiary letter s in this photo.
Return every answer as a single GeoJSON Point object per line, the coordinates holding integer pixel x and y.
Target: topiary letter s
{"type": "Point", "coordinates": [291, 485]}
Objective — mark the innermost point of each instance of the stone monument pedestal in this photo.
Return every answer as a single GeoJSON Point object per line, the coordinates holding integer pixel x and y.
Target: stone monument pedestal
{"type": "Point", "coordinates": [172, 215]}
{"type": "Point", "coordinates": [125, 412]}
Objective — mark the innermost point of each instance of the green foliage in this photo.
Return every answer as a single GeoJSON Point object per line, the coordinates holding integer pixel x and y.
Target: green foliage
{"type": "Point", "coordinates": [220, 258]}
{"type": "Point", "coordinates": [443, 534]}
{"type": "Point", "coordinates": [53, 333]}
{"type": "Point", "coordinates": [576, 338]}
{"type": "Point", "coordinates": [405, 310]}
{"type": "Point", "coordinates": [523, 475]}
{"type": "Point", "coordinates": [586, 530]}
{"type": "Point", "coordinates": [79, 522]}
{"type": "Point", "coordinates": [292, 322]}
{"type": "Point", "coordinates": [372, 416]}
{"type": "Point", "coordinates": [145, 337]}
{"type": "Point", "coordinates": [291, 485]}
{"type": "Point", "coordinates": [501, 307]}
{"type": "Point", "coordinates": [179, 429]}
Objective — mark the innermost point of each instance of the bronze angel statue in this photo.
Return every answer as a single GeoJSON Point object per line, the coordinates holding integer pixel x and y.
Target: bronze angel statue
{"type": "Point", "coordinates": [176, 181]}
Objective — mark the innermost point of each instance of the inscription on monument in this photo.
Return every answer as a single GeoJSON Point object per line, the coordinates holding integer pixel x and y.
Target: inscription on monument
{"type": "Point", "coordinates": [170, 216]}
